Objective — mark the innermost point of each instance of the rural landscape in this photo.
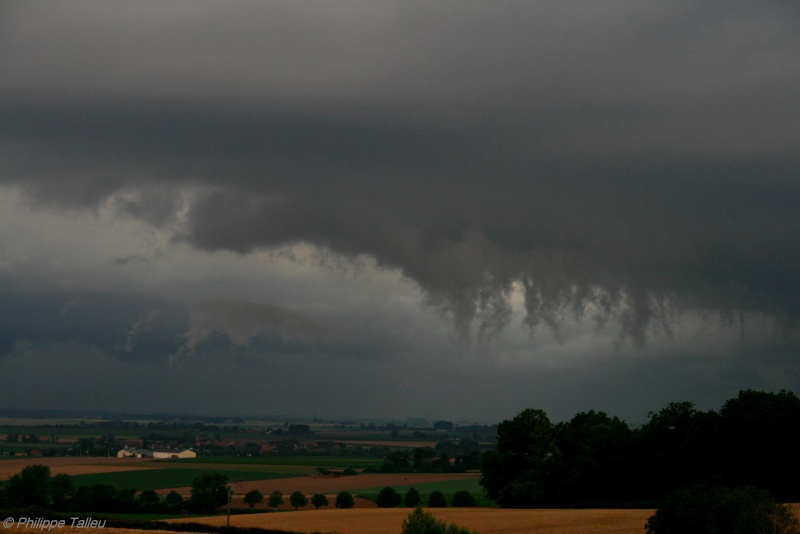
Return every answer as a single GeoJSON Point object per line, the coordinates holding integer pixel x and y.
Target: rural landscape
{"type": "Point", "coordinates": [399, 267]}
{"type": "Point", "coordinates": [591, 474]}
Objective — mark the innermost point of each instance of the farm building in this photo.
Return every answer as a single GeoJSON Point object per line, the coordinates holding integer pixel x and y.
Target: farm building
{"type": "Point", "coordinates": [174, 453]}
{"type": "Point", "coordinates": [130, 452]}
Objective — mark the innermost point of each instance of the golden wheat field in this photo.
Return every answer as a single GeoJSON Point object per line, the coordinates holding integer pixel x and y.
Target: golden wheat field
{"type": "Point", "coordinates": [77, 530]}
{"type": "Point", "coordinates": [482, 520]}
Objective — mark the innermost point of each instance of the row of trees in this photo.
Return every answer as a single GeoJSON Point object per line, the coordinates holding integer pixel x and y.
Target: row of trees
{"type": "Point", "coordinates": [388, 497]}
{"type": "Point", "coordinates": [297, 499]}
{"type": "Point", "coordinates": [598, 459]}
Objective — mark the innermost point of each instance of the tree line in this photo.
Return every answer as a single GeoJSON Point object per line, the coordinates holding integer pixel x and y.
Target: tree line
{"type": "Point", "coordinates": [35, 488]}
{"type": "Point", "coordinates": [596, 459]}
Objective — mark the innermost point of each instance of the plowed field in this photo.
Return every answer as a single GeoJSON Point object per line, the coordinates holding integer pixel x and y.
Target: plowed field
{"type": "Point", "coordinates": [71, 465]}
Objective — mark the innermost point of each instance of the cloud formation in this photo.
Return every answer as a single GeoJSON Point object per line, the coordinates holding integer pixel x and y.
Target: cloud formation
{"type": "Point", "coordinates": [563, 165]}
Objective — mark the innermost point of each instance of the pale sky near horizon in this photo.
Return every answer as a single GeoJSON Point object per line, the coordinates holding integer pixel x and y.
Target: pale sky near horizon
{"type": "Point", "coordinates": [452, 210]}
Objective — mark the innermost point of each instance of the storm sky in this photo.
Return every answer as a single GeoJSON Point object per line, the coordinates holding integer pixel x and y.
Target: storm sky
{"type": "Point", "coordinates": [441, 209]}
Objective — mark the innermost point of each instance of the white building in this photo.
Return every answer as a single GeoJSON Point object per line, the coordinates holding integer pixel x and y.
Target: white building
{"type": "Point", "coordinates": [173, 453]}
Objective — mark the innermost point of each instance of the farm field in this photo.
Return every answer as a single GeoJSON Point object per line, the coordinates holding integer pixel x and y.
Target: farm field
{"type": "Point", "coordinates": [330, 486]}
{"type": "Point", "coordinates": [482, 520]}
{"type": "Point", "coordinates": [153, 479]}
{"type": "Point", "coordinates": [314, 461]}
{"type": "Point", "coordinates": [73, 465]}
{"type": "Point", "coordinates": [447, 487]}
{"type": "Point", "coordinates": [389, 443]}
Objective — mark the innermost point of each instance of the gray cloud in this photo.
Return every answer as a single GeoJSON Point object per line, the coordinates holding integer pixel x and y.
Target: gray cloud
{"type": "Point", "coordinates": [624, 165]}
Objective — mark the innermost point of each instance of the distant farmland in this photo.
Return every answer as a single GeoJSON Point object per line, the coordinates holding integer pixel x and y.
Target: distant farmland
{"type": "Point", "coordinates": [312, 461]}
{"type": "Point", "coordinates": [152, 479]}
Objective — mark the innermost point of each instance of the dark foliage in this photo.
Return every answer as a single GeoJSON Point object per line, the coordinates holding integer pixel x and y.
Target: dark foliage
{"type": "Point", "coordinates": [344, 500]}
{"type": "Point", "coordinates": [388, 498]}
{"type": "Point", "coordinates": [209, 491]}
{"type": "Point", "coordinates": [31, 487]}
{"type": "Point", "coordinates": [298, 499]}
{"type": "Point", "coordinates": [437, 500]}
{"type": "Point", "coordinates": [253, 497]}
{"type": "Point", "coordinates": [463, 499]}
{"type": "Point", "coordinates": [412, 498]}
{"type": "Point", "coordinates": [597, 460]}
{"type": "Point", "coordinates": [319, 499]}
{"type": "Point", "coordinates": [713, 508]}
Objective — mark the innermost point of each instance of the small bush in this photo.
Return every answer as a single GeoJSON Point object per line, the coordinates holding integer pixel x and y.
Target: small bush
{"type": "Point", "coordinates": [437, 500]}
{"type": "Point", "coordinates": [421, 522]}
{"type": "Point", "coordinates": [713, 508]}
{"type": "Point", "coordinates": [344, 500]}
{"type": "Point", "coordinates": [412, 498]}
{"type": "Point", "coordinates": [463, 499]}
{"type": "Point", "coordinates": [388, 498]}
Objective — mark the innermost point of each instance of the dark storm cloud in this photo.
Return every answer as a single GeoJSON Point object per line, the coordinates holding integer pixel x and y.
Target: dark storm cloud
{"type": "Point", "coordinates": [128, 327]}
{"type": "Point", "coordinates": [132, 328]}
{"type": "Point", "coordinates": [238, 324]}
{"type": "Point", "coordinates": [618, 161]}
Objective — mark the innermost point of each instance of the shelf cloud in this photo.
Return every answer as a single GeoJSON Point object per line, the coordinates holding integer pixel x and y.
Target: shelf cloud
{"type": "Point", "coordinates": [559, 187]}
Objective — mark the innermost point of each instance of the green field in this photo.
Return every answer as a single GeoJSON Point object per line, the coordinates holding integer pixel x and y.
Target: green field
{"type": "Point", "coordinates": [322, 461]}
{"type": "Point", "coordinates": [167, 478]}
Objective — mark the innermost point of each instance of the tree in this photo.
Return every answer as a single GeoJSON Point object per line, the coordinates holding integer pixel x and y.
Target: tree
{"type": "Point", "coordinates": [412, 498]}
{"type": "Point", "coordinates": [396, 462]}
{"type": "Point", "coordinates": [344, 500]}
{"type": "Point", "coordinates": [594, 459]}
{"type": "Point", "coordinates": [521, 472]}
{"type": "Point", "coordinates": [298, 499]}
{"type": "Point", "coordinates": [463, 499]}
{"type": "Point", "coordinates": [421, 454]}
{"type": "Point", "coordinates": [61, 490]}
{"type": "Point", "coordinates": [388, 498]}
{"type": "Point", "coordinates": [712, 507]}
{"type": "Point", "coordinates": [319, 499]}
{"type": "Point", "coordinates": [173, 501]}
{"type": "Point", "coordinates": [209, 491]}
{"type": "Point", "coordinates": [253, 497]}
{"type": "Point", "coordinates": [437, 500]}
{"type": "Point", "coordinates": [758, 444]}
{"type": "Point", "coordinates": [275, 499]}
{"type": "Point", "coordinates": [126, 501]}
{"type": "Point", "coordinates": [149, 499]}
{"type": "Point", "coordinates": [677, 447]}
{"type": "Point", "coordinates": [30, 487]}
